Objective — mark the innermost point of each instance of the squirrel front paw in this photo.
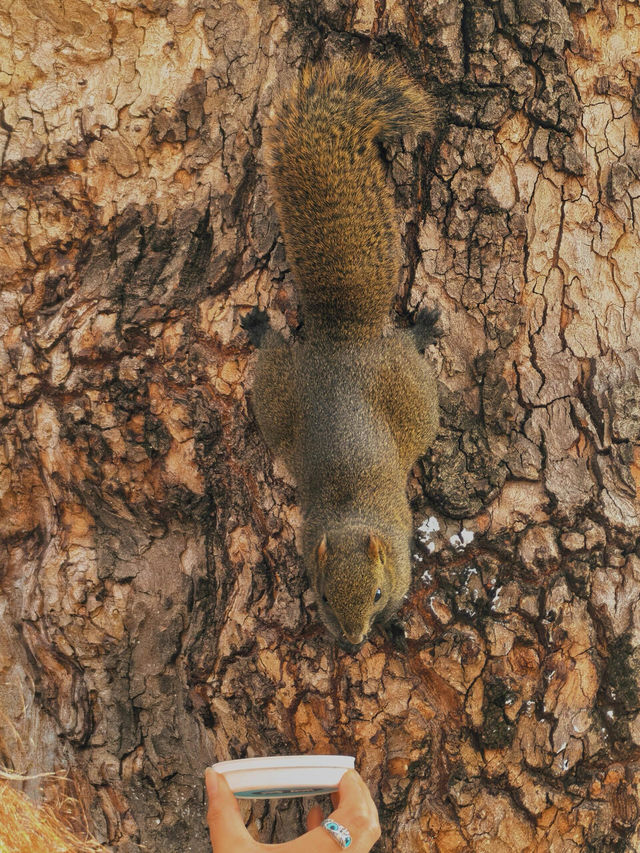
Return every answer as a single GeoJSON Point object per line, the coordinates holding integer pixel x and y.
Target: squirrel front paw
{"type": "Point", "coordinates": [395, 632]}
{"type": "Point", "coordinates": [425, 329]}
{"type": "Point", "coordinates": [256, 325]}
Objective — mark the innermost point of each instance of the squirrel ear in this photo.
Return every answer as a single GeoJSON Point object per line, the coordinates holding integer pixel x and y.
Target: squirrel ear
{"type": "Point", "coordinates": [321, 551]}
{"type": "Point", "coordinates": [376, 549]}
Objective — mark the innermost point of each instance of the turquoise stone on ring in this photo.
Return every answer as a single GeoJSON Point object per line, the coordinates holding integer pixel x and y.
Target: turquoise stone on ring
{"type": "Point", "coordinates": [339, 833]}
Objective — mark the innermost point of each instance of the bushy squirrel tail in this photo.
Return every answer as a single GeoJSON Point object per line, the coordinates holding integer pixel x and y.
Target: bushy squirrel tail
{"type": "Point", "coordinates": [335, 209]}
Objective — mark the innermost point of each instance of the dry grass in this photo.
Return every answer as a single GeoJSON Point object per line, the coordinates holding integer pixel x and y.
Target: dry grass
{"type": "Point", "coordinates": [60, 825]}
{"type": "Point", "coordinates": [28, 828]}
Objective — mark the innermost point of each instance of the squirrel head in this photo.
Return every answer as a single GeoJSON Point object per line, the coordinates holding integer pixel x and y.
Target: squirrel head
{"type": "Point", "coordinates": [355, 574]}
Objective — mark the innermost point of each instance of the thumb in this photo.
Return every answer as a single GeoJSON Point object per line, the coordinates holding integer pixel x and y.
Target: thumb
{"type": "Point", "coordinates": [226, 827]}
{"type": "Point", "coordinates": [358, 807]}
{"type": "Point", "coordinates": [350, 789]}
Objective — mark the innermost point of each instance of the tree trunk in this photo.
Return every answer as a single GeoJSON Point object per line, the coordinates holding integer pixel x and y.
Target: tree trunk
{"type": "Point", "coordinates": [156, 616]}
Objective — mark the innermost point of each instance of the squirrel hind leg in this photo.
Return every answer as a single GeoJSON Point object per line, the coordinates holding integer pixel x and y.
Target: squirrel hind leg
{"type": "Point", "coordinates": [256, 325]}
{"type": "Point", "coordinates": [275, 396]}
{"type": "Point", "coordinates": [425, 328]}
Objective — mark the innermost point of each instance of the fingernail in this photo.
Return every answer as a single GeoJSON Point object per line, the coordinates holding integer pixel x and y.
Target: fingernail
{"type": "Point", "coordinates": [212, 782]}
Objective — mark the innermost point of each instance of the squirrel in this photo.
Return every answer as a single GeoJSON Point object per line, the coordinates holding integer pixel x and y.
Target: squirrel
{"type": "Point", "coordinates": [351, 405]}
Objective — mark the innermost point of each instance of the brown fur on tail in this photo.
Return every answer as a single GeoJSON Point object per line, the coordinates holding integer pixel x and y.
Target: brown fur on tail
{"type": "Point", "coordinates": [335, 210]}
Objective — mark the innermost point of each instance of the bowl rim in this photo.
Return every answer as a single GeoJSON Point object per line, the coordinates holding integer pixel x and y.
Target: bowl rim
{"type": "Point", "coordinates": [273, 762]}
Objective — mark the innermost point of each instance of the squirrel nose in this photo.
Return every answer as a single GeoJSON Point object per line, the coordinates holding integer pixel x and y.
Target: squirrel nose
{"type": "Point", "coordinates": [355, 637]}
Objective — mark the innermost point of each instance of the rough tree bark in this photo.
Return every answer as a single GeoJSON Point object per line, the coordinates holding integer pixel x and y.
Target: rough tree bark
{"type": "Point", "coordinates": [155, 612]}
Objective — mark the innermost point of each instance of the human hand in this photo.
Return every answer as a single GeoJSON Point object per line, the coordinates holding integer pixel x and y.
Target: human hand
{"type": "Point", "coordinates": [353, 808]}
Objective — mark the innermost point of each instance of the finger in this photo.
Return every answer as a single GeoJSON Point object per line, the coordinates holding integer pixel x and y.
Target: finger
{"type": "Point", "coordinates": [335, 799]}
{"type": "Point", "coordinates": [212, 779]}
{"type": "Point", "coordinates": [351, 788]}
{"type": "Point", "coordinates": [317, 840]}
{"type": "Point", "coordinates": [353, 812]}
{"type": "Point", "coordinates": [226, 826]}
{"type": "Point", "coordinates": [368, 799]}
{"type": "Point", "coordinates": [356, 809]}
{"type": "Point", "coordinates": [363, 791]}
{"type": "Point", "coordinates": [366, 793]}
{"type": "Point", "coordinates": [314, 818]}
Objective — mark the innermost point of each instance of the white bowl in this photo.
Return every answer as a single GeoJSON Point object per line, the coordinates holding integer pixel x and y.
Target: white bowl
{"type": "Point", "coordinates": [277, 776]}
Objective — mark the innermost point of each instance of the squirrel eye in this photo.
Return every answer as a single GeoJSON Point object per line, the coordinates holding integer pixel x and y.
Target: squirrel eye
{"type": "Point", "coordinates": [378, 595]}
{"type": "Point", "coordinates": [325, 599]}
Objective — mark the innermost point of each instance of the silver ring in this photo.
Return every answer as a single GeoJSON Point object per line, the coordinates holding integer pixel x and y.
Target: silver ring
{"type": "Point", "coordinates": [338, 832]}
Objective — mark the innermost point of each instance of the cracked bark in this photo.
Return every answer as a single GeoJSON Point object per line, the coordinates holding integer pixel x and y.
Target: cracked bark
{"type": "Point", "coordinates": [156, 617]}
